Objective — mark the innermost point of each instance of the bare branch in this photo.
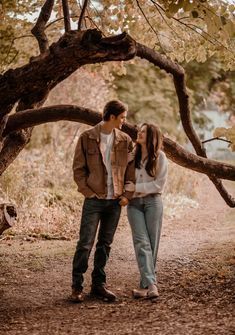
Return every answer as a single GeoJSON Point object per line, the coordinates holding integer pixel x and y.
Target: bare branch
{"type": "Point", "coordinates": [191, 26]}
{"type": "Point", "coordinates": [216, 138]}
{"type": "Point", "coordinates": [82, 14]}
{"type": "Point", "coordinates": [147, 20]}
{"type": "Point", "coordinates": [39, 29]}
{"type": "Point", "coordinates": [67, 24]}
{"type": "Point", "coordinates": [10, 47]}
{"type": "Point", "coordinates": [164, 19]}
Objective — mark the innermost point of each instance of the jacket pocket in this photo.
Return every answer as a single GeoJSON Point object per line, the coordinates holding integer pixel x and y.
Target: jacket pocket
{"type": "Point", "coordinates": [93, 156]}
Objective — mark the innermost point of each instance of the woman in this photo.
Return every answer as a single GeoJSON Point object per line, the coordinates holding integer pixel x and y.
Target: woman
{"type": "Point", "coordinates": [145, 209]}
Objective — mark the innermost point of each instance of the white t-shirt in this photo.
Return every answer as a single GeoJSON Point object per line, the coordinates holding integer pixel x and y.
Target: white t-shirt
{"type": "Point", "coordinates": [106, 143]}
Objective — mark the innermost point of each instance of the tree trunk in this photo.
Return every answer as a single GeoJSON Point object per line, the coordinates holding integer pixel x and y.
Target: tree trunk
{"type": "Point", "coordinates": [7, 216]}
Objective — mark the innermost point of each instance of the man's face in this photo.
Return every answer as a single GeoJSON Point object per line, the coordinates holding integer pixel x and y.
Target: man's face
{"type": "Point", "coordinates": [119, 120]}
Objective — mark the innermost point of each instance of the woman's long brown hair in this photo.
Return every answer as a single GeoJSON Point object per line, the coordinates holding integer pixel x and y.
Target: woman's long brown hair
{"type": "Point", "coordinates": [154, 145]}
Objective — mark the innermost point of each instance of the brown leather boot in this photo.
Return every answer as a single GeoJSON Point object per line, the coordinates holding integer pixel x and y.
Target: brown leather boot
{"type": "Point", "coordinates": [76, 296]}
{"type": "Point", "coordinates": [101, 292]}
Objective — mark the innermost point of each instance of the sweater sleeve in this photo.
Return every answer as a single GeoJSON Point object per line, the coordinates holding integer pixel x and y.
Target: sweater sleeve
{"type": "Point", "coordinates": [156, 185]}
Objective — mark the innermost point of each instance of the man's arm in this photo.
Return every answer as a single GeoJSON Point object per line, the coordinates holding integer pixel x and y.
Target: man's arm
{"type": "Point", "coordinates": [130, 171]}
{"type": "Point", "coordinates": [80, 169]}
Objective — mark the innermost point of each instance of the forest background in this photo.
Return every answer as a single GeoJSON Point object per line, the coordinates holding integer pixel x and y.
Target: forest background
{"type": "Point", "coordinates": [40, 182]}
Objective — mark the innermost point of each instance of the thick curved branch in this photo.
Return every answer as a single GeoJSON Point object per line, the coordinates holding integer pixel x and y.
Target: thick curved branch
{"type": "Point", "coordinates": [175, 152]}
{"type": "Point", "coordinates": [73, 50]}
{"type": "Point", "coordinates": [39, 29]}
{"type": "Point", "coordinates": [67, 24]}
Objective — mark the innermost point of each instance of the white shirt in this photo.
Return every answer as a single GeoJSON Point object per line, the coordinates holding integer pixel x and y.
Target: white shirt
{"type": "Point", "coordinates": [106, 143]}
{"type": "Point", "coordinates": [150, 185]}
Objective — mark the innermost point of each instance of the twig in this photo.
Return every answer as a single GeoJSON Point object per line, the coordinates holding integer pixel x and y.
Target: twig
{"type": "Point", "coordinates": [67, 24]}
{"type": "Point", "coordinates": [190, 25]}
{"type": "Point", "coordinates": [164, 19]}
{"type": "Point", "coordinates": [147, 20]}
{"type": "Point", "coordinates": [12, 42]}
{"type": "Point", "coordinates": [13, 58]}
{"type": "Point", "coordinates": [216, 138]}
{"type": "Point", "coordinates": [82, 14]}
{"type": "Point", "coordinates": [39, 29]}
{"type": "Point", "coordinates": [59, 19]}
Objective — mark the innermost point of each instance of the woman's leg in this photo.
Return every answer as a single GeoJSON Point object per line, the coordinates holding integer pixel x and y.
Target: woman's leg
{"type": "Point", "coordinates": [153, 219]}
{"type": "Point", "coordinates": [141, 243]}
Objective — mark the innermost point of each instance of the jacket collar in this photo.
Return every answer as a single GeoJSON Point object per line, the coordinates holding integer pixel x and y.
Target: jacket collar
{"type": "Point", "coordinates": [94, 133]}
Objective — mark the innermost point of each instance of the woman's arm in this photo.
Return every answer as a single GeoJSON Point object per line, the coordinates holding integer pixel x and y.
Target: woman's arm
{"type": "Point", "coordinates": [156, 185]}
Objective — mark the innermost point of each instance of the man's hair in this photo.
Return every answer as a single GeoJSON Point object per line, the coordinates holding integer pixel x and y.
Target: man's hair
{"type": "Point", "coordinates": [113, 107]}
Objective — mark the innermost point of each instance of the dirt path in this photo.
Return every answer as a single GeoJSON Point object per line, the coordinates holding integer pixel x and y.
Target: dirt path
{"type": "Point", "coordinates": [196, 281]}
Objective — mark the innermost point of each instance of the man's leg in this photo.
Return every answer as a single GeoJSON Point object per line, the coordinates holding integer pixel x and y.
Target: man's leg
{"type": "Point", "coordinates": [108, 225]}
{"type": "Point", "coordinates": [89, 222]}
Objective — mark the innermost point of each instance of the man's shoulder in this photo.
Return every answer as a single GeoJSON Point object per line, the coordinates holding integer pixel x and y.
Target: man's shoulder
{"type": "Point", "coordinates": [123, 136]}
{"type": "Point", "coordinates": [89, 131]}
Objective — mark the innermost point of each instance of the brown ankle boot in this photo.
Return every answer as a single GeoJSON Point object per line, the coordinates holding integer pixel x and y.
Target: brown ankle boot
{"type": "Point", "coordinates": [100, 291]}
{"type": "Point", "coordinates": [76, 296]}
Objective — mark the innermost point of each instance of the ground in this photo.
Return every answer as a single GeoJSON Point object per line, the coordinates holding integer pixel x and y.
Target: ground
{"type": "Point", "coordinates": [196, 280]}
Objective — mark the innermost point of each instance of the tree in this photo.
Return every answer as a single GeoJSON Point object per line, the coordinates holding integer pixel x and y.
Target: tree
{"type": "Point", "coordinates": [28, 86]}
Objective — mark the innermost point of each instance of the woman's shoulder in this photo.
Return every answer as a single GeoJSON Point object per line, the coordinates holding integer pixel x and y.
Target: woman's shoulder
{"type": "Point", "coordinates": [162, 157]}
{"type": "Point", "coordinates": [162, 154]}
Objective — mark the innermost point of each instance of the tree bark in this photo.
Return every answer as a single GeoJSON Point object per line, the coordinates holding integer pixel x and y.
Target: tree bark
{"type": "Point", "coordinates": [8, 215]}
{"type": "Point", "coordinates": [73, 50]}
{"type": "Point", "coordinates": [67, 25]}
{"type": "Point", "coordinates": [39, 29]}
{"type": "Point", "coordinates": [174, 151]}
{"type": "Point", "coordinates": [31, 83]}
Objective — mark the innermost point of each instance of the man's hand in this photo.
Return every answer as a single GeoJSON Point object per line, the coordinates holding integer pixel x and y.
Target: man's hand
{"type": "Point", "coordinates": [129, 186]}
{"type": "Point", "coordinates": [123, 201]}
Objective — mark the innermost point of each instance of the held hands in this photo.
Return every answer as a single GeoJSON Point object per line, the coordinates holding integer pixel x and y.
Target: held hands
{"type": "Point", "coordinates": [129, 186]}
{"type": "Point", "coordinates": [123, 201]}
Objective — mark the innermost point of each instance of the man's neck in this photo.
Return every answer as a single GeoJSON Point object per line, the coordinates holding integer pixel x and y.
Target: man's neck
{"type": "Point", "coordinates": [106, 128]}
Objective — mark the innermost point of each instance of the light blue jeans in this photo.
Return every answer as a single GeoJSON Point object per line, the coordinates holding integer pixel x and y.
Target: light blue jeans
{"type": "Point", "coordinates": [145, 218]}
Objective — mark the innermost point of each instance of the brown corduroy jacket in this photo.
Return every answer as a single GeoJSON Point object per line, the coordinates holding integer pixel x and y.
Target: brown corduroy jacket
{"type": "Point", "coordinates": [90, 173]}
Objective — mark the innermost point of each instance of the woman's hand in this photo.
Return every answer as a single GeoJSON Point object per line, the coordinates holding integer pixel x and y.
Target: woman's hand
{"type": "Point", "coordinates": [129, 186]}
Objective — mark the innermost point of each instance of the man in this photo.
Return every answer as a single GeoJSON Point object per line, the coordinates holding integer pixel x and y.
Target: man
{"type": "Point", "coordinates": [100, 170]}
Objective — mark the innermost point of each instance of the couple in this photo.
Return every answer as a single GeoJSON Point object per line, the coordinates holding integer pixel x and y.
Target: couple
{"type": "Point", "coordinates": [110, 176]}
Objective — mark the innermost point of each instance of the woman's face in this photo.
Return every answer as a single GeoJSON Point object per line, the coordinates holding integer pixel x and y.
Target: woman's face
{"type": "Point", "coordinates": [142, 135]}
